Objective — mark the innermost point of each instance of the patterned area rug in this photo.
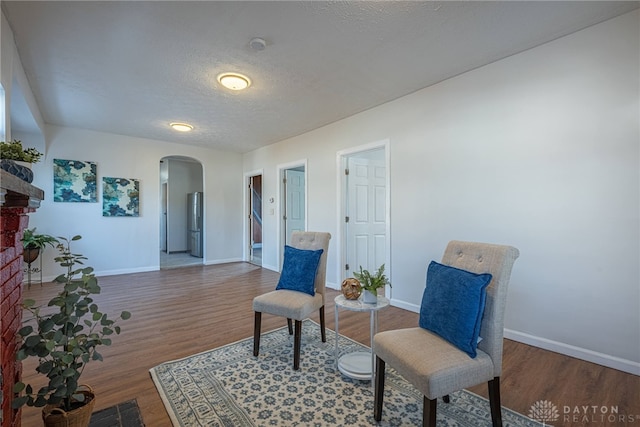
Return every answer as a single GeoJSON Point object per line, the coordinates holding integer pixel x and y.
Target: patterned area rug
{"type": "Point", "coordinates": [227, 386]}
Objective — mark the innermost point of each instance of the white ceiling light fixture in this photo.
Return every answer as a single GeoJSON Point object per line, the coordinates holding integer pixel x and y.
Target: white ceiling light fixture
{"type": "Point", "coordinates": [234, 81]}
{"type": "Point", "coordinates": [181, 127]}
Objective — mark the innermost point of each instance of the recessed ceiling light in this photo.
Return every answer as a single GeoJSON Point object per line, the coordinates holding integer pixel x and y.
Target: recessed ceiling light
{"type": "Point", "coordinates": [181, 127]}
{"type": "Point", "coordinates": [234, 81]}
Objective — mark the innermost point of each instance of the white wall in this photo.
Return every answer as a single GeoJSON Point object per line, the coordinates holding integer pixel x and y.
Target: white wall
{"type": "Point", "coordinates": [117, 245]}
{"type": "Point", "coordinates": [539, 151]}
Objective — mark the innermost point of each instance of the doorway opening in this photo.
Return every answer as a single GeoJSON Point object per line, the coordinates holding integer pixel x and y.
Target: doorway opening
{"type": "Point", "coordinates": [364, 209]}
{"type": "Point", "coordinates": [254, 204]}
{"type": "Point", "coordinates": [293, 202]}
{"type": "Point", "coordinates": [182, 219]}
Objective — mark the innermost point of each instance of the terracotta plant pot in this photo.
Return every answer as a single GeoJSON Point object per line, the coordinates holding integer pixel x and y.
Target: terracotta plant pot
{"type": "Point", "coordinates": [54, 416]}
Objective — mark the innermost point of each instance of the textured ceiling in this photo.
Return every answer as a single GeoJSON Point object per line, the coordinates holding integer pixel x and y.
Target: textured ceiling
{"type": "Point", "coordinates": [132, 67]}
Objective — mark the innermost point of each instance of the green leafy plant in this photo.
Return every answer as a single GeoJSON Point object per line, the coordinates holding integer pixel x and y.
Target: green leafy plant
{"type": "Point", "coordinates": [65, 335]}
{"type": "Point", "coordinates": [372, 282]}
{"type": "Point", "coordinates": [13, 151]}
{"type": "Point", "coordinates": [32, 240]}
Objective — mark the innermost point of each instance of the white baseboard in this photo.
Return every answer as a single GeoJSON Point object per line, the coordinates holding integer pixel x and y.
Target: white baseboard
{"type": "Point", "coordinates": [555, 346]}
{"type": "Point", "coordinates": [271, 267]}
{"type": "Point", "coordinates": [221, 261]}
{"type": "Point", "coordinates": [99, 274]}
{"type": "Point", "coordinates": [405, 305]}
{"type": "Point", "coordinates": [577, 352]}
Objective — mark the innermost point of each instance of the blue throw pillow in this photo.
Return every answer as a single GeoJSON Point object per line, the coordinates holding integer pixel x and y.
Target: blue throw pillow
{"type": "Point", "coordinates": [453, 305]}
{"type": "Point", "coordinates": [299, 270]}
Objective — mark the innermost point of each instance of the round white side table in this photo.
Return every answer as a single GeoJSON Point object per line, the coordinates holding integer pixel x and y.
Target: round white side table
{"type": "Point", "coordinates": [359, 365]}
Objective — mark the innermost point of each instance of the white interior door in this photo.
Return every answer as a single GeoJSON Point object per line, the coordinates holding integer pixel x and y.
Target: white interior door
{"type": "Point", "coordinates": [294, 216]}
{"type": "Point", "coordinates": [366, 242]}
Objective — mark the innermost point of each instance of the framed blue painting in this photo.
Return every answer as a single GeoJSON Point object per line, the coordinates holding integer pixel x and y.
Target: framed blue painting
{"type": "Point", "coordinates": [74, 181]}
{"type": "Point", "coordinates": [120, 197]}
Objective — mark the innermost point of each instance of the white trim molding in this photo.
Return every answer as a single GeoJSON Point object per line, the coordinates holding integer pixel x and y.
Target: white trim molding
{"type": "Point", "coordinates": [577, 352]}
{"type": "Point", "coordinates": [602, 359]}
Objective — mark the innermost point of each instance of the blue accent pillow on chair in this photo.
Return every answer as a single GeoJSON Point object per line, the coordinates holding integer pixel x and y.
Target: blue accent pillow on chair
{"type": "Point", "coordinates": [299, 270]}
{"type": "Point", "coordinates": [453, 304]}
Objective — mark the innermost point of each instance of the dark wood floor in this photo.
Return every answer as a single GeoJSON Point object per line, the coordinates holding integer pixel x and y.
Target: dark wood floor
{"type": "Point", "coordinates": [180, 312]}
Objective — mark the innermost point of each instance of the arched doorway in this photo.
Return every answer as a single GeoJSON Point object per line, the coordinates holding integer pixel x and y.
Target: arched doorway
{"type": "Point", "coordinates": [182, 220]}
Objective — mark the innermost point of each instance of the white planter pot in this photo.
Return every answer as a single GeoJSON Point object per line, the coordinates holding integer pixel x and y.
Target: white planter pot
{"type": "Point", "coordinates": [369, 297]}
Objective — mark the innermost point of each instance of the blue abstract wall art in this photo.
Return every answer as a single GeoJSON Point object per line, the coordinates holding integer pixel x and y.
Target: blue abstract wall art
{"type": "Point", "coordinates": [74, 181]}
{"type": "Point", "coordinates": [120, 197]}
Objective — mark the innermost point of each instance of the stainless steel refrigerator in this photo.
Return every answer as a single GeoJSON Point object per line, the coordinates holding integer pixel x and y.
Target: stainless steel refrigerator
{"type": "Point", "coordinates": [194, 223]}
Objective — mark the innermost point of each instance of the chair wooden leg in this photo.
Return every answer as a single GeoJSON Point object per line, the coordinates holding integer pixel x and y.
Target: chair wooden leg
{"type": "Point", "coordinates": [290, 326]}
{"type": "Point", "coordinates": [256, 333]}
{"type": "Point", "coordinates": [296, 345]}
{"type": "Point", "coordinates": [379, 389]}
{"type": "Point", "coordinates": [429, 412]}
{"type": "Point", "coordinates": [323, 332]}
{"type": "Point", "coordinates": [446, 398]}
{"type": "Point", "coordinates": [494, 402]}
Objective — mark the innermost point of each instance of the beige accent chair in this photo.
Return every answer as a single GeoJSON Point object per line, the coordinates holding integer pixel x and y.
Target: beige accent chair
{"type": "Point", "coordinates": [436, 367]}
{"type": "Point", "coordinates": [293, 304]}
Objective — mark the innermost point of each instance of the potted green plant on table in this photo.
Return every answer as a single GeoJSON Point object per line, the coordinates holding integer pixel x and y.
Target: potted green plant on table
{"type": "Point", "coordinates": [17, 160]}
{"type": "Point", "coordinates": [371, 283]}
{"type": "Point", "coordinates": [65, 336]}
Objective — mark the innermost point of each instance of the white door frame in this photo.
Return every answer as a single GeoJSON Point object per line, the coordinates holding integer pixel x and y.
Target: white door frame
{"type": "Point", "coordinates": [245, 221]}
{"type": "Point", "coordinates": [341, 160]}
{"type": "Point", "coordinates": [280, 208]}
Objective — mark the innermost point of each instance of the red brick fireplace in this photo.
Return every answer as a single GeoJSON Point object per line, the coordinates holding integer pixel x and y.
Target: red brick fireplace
{"type": "Point", "coordinates": [17, 199]}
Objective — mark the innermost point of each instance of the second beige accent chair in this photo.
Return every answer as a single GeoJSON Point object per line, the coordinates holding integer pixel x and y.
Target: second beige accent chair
{"type": "Point", "coordinates": [433, 364]}
{"type": "Point", "coordinates": [292, 298]}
